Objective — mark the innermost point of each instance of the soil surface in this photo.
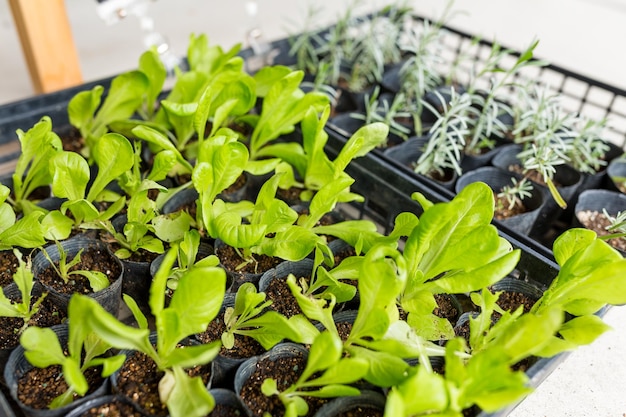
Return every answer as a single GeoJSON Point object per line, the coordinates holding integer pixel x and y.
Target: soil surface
{"type": "Point", "coordinates": [115, 408]}
{"type": "Point", "coordinates": [138, 379]}
{"type": "Point", "coordinates": [230, 259]}
{"type": "Point", "coordinates": [285, 371]}
{"type": "Point", "coordinates": [598, 222]}
{"type": "Point", "coordinates": [8, 266]}
{"type": "Point", "coordinates": [245, 346]}
{"type": "Point", "coordinates": [48, 315]}
{"type": "Point", "coordinates": [39, 386]}
{"type": "Point", "coordinates": [503, 209]}
{"type": "Point", "coordinates": [91, 259]}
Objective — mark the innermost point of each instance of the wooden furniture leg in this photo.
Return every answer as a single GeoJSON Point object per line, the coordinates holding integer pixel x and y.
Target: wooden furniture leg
{"type": "Point", "coordinates": [44, 31]}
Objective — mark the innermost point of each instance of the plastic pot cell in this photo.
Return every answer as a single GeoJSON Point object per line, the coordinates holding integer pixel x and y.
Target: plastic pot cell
{"type": "Point", "coordinates": [95, 256]}
{"type": "Point", "coordinates": [589, 213]}
{"type": "Point", "coordinates": [496, 179]}
{"type": "Point", "coordinates": [18, 367]}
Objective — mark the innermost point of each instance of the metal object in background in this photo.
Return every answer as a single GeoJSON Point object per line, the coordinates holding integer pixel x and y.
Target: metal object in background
{"type": "Point", "coordinates": [112, 11]}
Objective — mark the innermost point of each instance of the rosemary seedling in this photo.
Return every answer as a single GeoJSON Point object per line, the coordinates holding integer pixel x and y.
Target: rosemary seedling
{"type": "Point", "coordinates": [516, 192]}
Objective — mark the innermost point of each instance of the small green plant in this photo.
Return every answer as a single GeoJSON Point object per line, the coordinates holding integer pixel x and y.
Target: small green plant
{"type": "Point", "coordinates": [38, 146]}
{"type": "Point", "coordinates": [194, 304]}
{"type": "Point", "coordinates": [447, 136]}
{"type": "Point", "coordinates": [250, 317]}
{"type": "Point", "coordinates": [270, 229]}
{"type": "Point", "coordinates": [187, 253]}
{"type": "Point", "coordinates": [313, 165]}
{"type": "Point", "coordinates": [515, 193]}
{"type": "Point", "coordinates": [460, 254]}
{"type": "Point", "coordinates": [379, 110]}
{"type": "Point", "coordinates": [24, 279]}
{"type": "Point", "coordinates": [487, 123]}
{"type": "Point", "coordinates": [92, 115]}
{"type": "Point", "coordinates": [284, 106]}
{"type": "Point", "coordinates": [336, 373]}
{"type": "Point", "coordinates": [617, 226]}
{"type": "Point", "coordinates": [71, 176]}
{"type": "Point", "coordinates": [586, 150]}
{"type": "Point", "coordinates": [65, 268]}
{"type": "Point", "coordinates": [85, 350]}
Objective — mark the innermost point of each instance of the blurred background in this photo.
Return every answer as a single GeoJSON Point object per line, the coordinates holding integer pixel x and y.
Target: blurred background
{"type": "Point", "coordinates": [584, 36]}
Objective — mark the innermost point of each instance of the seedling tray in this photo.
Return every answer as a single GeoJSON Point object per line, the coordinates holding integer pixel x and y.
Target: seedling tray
{"type": "Point", "coordinates": [386, 186]}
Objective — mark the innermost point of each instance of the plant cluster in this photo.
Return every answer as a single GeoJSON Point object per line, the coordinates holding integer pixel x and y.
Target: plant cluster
{"type": "Point", "coordinates": [218, 123]}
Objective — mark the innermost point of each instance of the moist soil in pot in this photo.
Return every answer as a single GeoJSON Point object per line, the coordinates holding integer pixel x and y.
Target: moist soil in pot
{"type": "Point", "coordinates": [8, 266]}
{"type": "Point", "coordinates": [244, 347]}
{"type": "Point", "coordinates": [598, 222]}
{"type": "Point", "coordinates": [91, 259]}
{"type": "Point", "coordinates": [504, 211]}
{"type": "Point", "coordinates": [39, 386]}
{"type": "Point", "coordinates": [283, 300]}
{"type": "Point", "coordinates": [285, 371]}
{"type": "Point", "coordinates": [48, 315]}
{"type": "Point", "coordinates": [361, 411]}
{"type": "Point", "coordinates": [139, 377]}
{"type": "Point", "coordinates": [230, 259]}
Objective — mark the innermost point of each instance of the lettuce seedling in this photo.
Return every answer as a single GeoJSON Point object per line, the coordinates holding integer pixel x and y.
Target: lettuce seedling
{"type": "Point", "coordinates": [187, 253]}
{"type": "Point", "coordinates": [24, 279]}
{"type": "Point", "coordinates": [453, 249]}
{"type": "Point", "coordinates": [591, 276]}
{"type": "Point", "coordinates": [270, 230]}
{"type": "Point", "coordinates": [310, 160]}
{"type": "Point", "coordinates": [71, 175]}
{"type": "Point", "coordinates": [63, 268]}
{"type": "Point", "coordinates": [250, 317]}
{"type": "Point", "coordinates": [335, 375]}
{"type": "Point", "coordinates": [26, 232]}
{"type": "Point", "coordinates": [92, 115]}
{"type": "Point", "coordinates": [284, 105]}
{"type": "Point", "coordinates": [194, 304]}
{"type": "Point", "coordinates": [38, 146]}
{"type": "Point", "coordinates": [85, 350]}
{"type": "Point", "coordinates": [145, 229]}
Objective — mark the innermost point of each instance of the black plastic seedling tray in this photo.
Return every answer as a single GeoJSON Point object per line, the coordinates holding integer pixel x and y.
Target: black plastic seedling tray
{"type": "Point", "coordinates": [386, 186]}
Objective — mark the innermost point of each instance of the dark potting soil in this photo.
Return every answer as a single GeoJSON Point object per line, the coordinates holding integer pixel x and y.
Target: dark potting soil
{"type": "Point", "coordinates": [225, 410]}
{"type": "Point", "coordinates": [598, 222]}
{"type": "Point", "coordinates": [512, 300]}
{"type": "Point", "coordinates": [72, 140]}
{"type": "Point", "coordinates": [91, 259]}
{"type": "Point", "coordinates": [230, 259]}
{"type": "Point", "coordinates": [283, 300]}
{"type": "Point", "coordinates": [39, 386]}
{"type": "Point", "coordinates": [244, 347]}
{"type": "Point", "coordinates": [285, 371]}
{"type": "Point", "coordinates": [138, 380]}
{"type": "Point", "coordinates": [8, 266]}
{"type": "Point", "coordinates": [503, 209]}
{"type": "Point", "coordinates": [446, 309]}
{"type": "Point", "coordinates": [114, 408]}
{"type": "Point", "coordinates": [290, 195]}
{"type": "Point", "coordinates": [48, 315]}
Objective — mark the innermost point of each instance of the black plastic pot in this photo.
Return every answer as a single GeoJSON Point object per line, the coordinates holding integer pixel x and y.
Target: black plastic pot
{"type": "Point", "coordinates": [245, 371]}
{"type": "Point", "coordinates": [105, 401]}
{"type": "Point", "coordinates": [12, 292]}
{"type": "Point", "coordinates": [109, 297]}
{"type": "Point", "coordinates": [115, 377]}
{"type": "Point", "coordinates": [367, 401]}
{"type": "Point", "coordinates": [409, 152]}
{"type": "Point", "coordinates": [616, 174]}
{"type": "Point", "coordinates": [597, 201]}
{"type": "Point", "coordinates": [497, 178]}
{"type": "Point", "coordinates": [18, 365]}
{"type": "Point", "coordinates": [226, 403]}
